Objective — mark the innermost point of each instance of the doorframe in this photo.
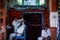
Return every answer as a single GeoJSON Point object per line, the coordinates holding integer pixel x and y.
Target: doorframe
{"type": "Point", "coordinates": [36, 13]}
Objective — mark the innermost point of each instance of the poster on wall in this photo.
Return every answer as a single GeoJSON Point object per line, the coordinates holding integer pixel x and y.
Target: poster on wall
{"type": "Point", "coordinates": [53, 19]}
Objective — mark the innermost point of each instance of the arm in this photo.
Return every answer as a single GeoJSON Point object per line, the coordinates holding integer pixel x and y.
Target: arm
{"type": "Point", "coordinates": [42, 34]}
{"type": "Point", "coordinates": [15, 24]}
{"type": "Point", "coordinates": [20, 20]}
{"type": "Point", "coordinates": [49, 32]}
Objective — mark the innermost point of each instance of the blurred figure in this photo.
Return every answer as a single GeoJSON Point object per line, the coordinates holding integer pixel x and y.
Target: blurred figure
{"type": "Point", "coordinates": [2, 31]}
{"type": "Point", "coordinates": [18, 28]}
{"type": "Point", "coordinates": [16, 23]}
{"type": "Point", "coordinates": [8, 26]}
{"type": "Point", "coordinates": [9, 29]}
{"type": "Point", "coordinates": [46, 33]}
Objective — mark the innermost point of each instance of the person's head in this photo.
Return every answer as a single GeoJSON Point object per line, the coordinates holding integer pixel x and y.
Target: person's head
{"type": "Point", "coordinates": [46, 26]}
{"type": "Point", "coordinates": [15, 18]}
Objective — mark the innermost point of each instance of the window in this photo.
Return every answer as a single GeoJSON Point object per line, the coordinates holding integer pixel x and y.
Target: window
{"type": "Point", "coordinates": [31, 2]}
{"type": "Point", "coordinates": [19, 2]}
{"type": "Point", "coordinates": [41, 2]}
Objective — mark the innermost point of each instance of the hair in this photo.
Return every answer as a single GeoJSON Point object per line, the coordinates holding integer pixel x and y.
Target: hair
{"type": "Point", "coordinates": [47, 26]}
{"type": "Point", "coordinates": [14, 17]}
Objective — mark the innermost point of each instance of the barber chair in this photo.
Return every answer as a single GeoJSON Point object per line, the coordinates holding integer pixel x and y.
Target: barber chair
{"type": "Point", "coordinates": [23, 36]}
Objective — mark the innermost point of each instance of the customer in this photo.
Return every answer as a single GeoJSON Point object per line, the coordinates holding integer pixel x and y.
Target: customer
{"type": "Point", "coordinates": [19, 28]}
{"type": "Point", "coordinates": [46, 33]}
{"type": "Point", "coordinates": [16, 23]}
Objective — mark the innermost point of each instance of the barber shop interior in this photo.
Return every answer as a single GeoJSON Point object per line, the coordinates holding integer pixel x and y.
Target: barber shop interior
{"type": "Point", "coordinates": [29, 19]}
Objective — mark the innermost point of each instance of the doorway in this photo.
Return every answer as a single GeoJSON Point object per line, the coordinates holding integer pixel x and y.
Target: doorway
{"type": "Point", "coordinates": [34, 23]}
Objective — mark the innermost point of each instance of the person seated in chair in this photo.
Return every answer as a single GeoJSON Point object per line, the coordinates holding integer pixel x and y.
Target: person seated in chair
{"type": "Point", "coordinates": [46, 33]}
{"type": "Point", "coordinates": [16, 23]}
{"type": "Point", "coordinates": [18, 30]}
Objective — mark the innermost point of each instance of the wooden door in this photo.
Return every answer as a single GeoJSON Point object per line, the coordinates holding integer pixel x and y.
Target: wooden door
{"type": "Point", "coordinates": [34, 25]}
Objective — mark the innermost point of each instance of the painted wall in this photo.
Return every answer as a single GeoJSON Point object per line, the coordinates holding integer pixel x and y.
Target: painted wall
{"type": "Point", "coordinates": [13, 13]}
{"type": "Point", "coordinates": [3, 24]}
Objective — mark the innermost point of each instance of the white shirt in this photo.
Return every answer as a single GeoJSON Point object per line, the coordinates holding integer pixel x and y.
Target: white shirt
{"type": "Point", "coordinates": [21, 30]}
{"type": "Point", "coordinates": [16, 24]}
{"type": "Point", "coordinates": [45, 34]}
{"type": "Point", "coordinates": [49, 32]}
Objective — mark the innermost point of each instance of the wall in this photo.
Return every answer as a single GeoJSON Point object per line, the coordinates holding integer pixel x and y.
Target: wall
{"type": "Point", "coordinates": [13, 13]}
{"type": "Point", "coordinates": [3, 17]}
{"type": "Point", "coordinates": [53, 10]}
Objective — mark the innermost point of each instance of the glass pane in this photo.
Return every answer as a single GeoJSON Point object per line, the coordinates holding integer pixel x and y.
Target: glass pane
{"type": "Point", "coordinates": [19, 2]}
{"type": "Point", "coordinates": [31, 2]}
{"type": "Point", "coordinates": [41, 2]}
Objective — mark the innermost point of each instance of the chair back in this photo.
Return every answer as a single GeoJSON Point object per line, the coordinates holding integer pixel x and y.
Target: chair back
{"type": "Point", "coordinates": [23, 36]}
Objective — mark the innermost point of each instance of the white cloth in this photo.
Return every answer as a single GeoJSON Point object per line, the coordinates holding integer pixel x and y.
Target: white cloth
{"type": "Point", "coordinates": [49, 32]}
{"type": "Point", "coordinates": [40, 38]}
{"type": "Point", "coordinates": [19, 31]}
{"type": "Point", "coordinates": [16, 24]}
{"type": "Point", "coordinates": [45, 34]}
